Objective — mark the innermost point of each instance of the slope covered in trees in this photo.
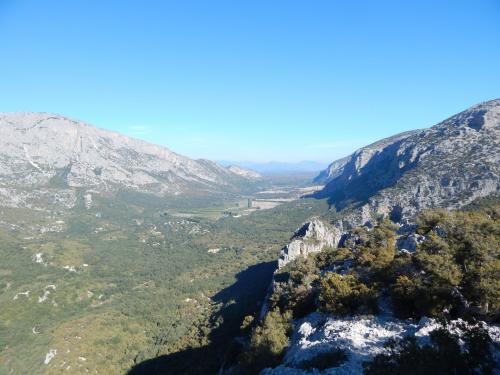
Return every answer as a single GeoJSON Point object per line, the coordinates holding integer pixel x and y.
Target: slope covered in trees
{"type": "Point", "coordinates": [453, 278]}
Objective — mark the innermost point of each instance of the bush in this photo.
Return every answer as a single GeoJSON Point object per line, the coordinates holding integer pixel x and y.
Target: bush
{"type": "Point", "coordinates": [293, 288]}
{"type": "Point", "coordinates": [431, 219]}
{"type": "Point", "coordinates": [247, 323]}
{"type": "Point", "coordinates": [268, 341]}
{"type": "Point", "coordinates": [460, 256]}
{"type": "Point", "coordinates": [379, 250]}
{"type": "Point", "coordinates": [404, 293]}
{"type": "Point", "coordinates": [330, 257]}
{"type": "Point", "coordinates": [304, 271]}
{"type": "Point", "coordinates": [345, 294]}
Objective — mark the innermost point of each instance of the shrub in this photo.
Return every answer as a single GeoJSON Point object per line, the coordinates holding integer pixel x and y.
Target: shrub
{"type": "Point", "coordinates": [293, 288]}
{"type": "Point", "coordinates": [430, 219]}
{"type": "Point", "coordinates": [330, 257]}
{"type": "Point", "coordinates": [379, 250]}
{"type": "Point", "coordinates": [475, 237]}
{"type": "Point", "coordinates": [404, 293]}
{"type": "Point", "coordinates": [345, 294]}
{"type": "Point", "coordinates": [463, 257]}
{"type": "Point", "coordinates": [247, 323]}
{"type": "Point", "coordinates": [268, 341]}
{"type": "Point", "coordinates": [304, 271]}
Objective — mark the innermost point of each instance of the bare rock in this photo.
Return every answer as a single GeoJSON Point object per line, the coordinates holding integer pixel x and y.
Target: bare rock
{"type": "Point", "coordinates": [312, 237]}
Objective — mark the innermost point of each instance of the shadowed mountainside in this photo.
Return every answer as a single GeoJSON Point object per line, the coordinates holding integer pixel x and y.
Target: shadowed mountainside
{"type": "Point", "coordinates": [242, 298]}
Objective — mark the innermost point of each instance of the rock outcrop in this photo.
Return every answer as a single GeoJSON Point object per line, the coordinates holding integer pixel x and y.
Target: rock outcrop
{"type": "Point", "coordinates": [312, 237]}
{"type": "Point", "coordinates": [361, 337]}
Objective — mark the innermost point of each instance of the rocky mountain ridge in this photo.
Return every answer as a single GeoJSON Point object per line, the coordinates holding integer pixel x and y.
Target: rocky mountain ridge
{"type": "Point", "coordinates": [431, 159]}
{"type": "Point", "coordinates": [448, 165]}
{"type": "Point", "coordinates": [359, 158]}
{"type": "Point", "coordinates": [42, 150]}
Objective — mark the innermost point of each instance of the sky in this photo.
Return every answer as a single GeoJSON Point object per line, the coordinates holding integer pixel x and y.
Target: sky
{"type": "Point", "coordinates": [251, 80]}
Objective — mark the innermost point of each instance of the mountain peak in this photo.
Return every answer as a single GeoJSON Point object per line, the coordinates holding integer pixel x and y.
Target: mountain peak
{"type": "Point", "coordinates": [486, 114]}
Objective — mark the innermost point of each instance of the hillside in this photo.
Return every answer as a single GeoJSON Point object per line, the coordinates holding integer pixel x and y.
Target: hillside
{"type": "Point", "coordinates": [403, 278]}
{"type": "Point", "coordinates": [358, 158]}
{"type": "Point", "coordinates": [447, 165]}
{"type": "Point", "coordinates": [115, 251]}
{"type": "Point", "coordinates": [44, 155]}
{"type": "Point", "coordinates": [397, 299]}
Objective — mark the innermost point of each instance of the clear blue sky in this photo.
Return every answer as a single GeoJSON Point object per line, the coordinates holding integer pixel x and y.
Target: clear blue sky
{"type": "Point", "coordinates": [250, 80]}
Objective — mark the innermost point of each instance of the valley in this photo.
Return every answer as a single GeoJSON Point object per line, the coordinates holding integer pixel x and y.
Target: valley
{"type": "Point", "coordinates": [128, 258]}
{"type": "Point", "coordinates": [104, 286]}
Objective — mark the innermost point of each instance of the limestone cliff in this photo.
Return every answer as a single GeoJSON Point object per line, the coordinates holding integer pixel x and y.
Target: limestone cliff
{"type": "Point", "coordinates": [448, 165]}
{"type": "Point", "coordinates": [56, 155]}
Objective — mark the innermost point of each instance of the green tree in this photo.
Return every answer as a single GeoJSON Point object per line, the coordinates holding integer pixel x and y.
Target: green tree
{"type": "Point", "coordinates": [345, 294]}
{"type": "Point", "coordinates": [268, 341]}
{"type": "Point", "coordinates": [380, 248]}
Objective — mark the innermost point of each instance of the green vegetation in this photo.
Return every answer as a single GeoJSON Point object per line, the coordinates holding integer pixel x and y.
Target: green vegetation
{"type": "Point", "coordinates": [458, 261]}
{"type": "Point", "coordinates": [454, 273]}
{"type": "Point", "coordinates": [268, 341]}
{"type": "Point", "coordinates": [144, 286]}
{"type": "Point", "coordinates": [127, 285]}
{"type": "Point", "coordinates": [378, 247]}
{"type": "Point", "coordinates": [345, 295]}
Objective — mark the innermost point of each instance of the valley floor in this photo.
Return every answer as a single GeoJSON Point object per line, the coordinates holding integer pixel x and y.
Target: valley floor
{"type": "Point", "coordinates": [120, 282]}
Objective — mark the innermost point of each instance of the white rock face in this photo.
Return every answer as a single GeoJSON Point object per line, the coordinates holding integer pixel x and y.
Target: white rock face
{"type": "Point", "coordinates": [359, 158]}
{"type": "Point", "coordinates": [360, 337]}
{"type": "Point", "coordinates": [243, 172]}
{"type": "Point", "coordinates": [37, 258]}
{"type": "Point", "coordinates": [448, 165]}
{"type": "Point", "coordinates": [410, 242]}
{"type": "Point", "coordinates": [26, 294]}
{"type": "Point", "coordinates": [46, 293]}
{"type": "Point", "coordinates": [44, 150]}
{"type": "Point", "coordinates": [312, 237]}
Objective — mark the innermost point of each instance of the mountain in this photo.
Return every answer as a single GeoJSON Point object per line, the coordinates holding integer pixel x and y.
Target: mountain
{"type": "Point", "coordinates": [276, 167]}
{"type": "Point", "coordinates": [243, 172]}
{"type": "Point", "coordinates": [359, 158]}
{"type": "Point", "coordinates": [46, 151]}
{"type": "Point", "coordinates": [402, 277]}
{"type": "Point", "coordinates": [448, 165]}
{"type": "Point", "coordinates": [391, 299]}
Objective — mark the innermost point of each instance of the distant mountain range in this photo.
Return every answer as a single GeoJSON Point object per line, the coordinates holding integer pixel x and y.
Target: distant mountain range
{"type": "Point", "coordinates": [276, 167]}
